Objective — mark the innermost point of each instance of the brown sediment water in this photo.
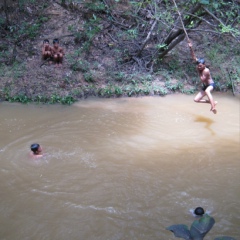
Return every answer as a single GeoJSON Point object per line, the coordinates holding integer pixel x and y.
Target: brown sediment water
{"type": "Point", "coordinates": [119, 168]}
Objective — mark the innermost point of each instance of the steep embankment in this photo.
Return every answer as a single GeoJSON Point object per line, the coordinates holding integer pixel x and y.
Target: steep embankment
{"type": "Point", "coordinates": [96, 72]}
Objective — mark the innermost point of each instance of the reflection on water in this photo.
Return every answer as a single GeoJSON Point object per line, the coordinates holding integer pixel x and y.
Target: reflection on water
{"type": "Point", "coordinates": [208, 122]}
{"type": "Point", "coordinates": [119, 168]}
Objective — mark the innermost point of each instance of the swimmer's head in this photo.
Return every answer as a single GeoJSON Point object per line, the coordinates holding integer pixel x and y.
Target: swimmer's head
{"type": "Point", "coordinates": [35, 147]}
{"type": "Point", "coordinates": [199, 211]}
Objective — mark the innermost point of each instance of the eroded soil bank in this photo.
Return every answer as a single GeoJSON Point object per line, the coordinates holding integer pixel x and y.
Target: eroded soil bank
{"type": "Point", "coordinates": [25, 77]}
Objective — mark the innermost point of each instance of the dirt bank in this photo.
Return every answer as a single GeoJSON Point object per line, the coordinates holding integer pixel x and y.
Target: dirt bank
{"type": "Point", "coordinates": [96, 72]}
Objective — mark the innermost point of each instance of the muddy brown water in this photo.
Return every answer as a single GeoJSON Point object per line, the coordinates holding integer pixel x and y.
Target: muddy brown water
{"type": "Point", "coordinates": [119, 168]}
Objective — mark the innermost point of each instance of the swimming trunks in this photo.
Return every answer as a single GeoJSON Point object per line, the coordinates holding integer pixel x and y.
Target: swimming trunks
{"type": "Point", "coordinates": [204, 87]}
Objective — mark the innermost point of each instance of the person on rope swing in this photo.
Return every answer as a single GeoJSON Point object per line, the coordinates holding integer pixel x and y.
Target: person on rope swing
{"type": "Point", "coordinates": [207, 81]}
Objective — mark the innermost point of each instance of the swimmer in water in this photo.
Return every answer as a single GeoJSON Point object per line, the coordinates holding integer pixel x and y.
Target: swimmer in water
{"type": "Point", "coordinates": [36, 150]}
{"type": "Point", "coordinates": [199, 211]}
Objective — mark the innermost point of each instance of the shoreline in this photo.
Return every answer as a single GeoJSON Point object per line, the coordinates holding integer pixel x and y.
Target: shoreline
{"type": "Point", "coordinates": [69, 99]}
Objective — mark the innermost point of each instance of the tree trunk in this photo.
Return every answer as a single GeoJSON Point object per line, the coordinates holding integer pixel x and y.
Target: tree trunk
{"type": "Point", "coordinates": [178, 35]}
{"type": "Point", "coordinates": [5, 7]}
{"type": "Point", "coordinates": [172, 45]}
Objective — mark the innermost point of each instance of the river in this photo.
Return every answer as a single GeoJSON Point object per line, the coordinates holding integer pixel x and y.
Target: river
{"type": "Point", "coordinates": [116, 169]}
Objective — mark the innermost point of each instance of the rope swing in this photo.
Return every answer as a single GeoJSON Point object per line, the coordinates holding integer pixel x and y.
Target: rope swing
{"type": "Point", "coordinates": [184, 29]}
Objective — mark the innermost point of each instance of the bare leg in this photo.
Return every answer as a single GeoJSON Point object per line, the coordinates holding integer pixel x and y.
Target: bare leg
{"type": "Point", "coordinates": [199, 97]}
{"type": "Point", "coordinates": [60, 59]}
{"type": "Point", "coordinates": [55, 58]}
{"type": "Point", "coordinates": [210, 99]}
{"type": "Point", "coordinates": [207, 92]}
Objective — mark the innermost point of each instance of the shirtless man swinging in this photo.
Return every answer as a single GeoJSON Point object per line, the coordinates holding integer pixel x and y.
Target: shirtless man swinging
{"type": "Point", "coordinates": [207, 81]}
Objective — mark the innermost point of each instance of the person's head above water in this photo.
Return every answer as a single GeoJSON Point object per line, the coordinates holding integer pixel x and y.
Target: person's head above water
{"type": "Point", "coordinates": [199, 211]}
{"type": "Point", "coordinates": [36, 149]}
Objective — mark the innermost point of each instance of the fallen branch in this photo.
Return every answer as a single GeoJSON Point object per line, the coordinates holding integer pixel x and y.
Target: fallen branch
{"type": "Point", "coordinates": [138, 61]}
{"type": "Point", "coordinates": [44, 61]}
{"type": "Point", "coordinates": [114, 40]}
{"type": "Point", "coordinates": [122, 25]}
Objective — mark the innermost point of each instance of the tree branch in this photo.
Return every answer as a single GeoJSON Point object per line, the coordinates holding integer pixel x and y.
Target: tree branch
{"type": "Point", "coordinates": [172, 45]}
{"type": "Point", "coordinates": [217, 19]}
{"type": "Point", "coordinates": [148, 37]}
{"type": "Point", "coordinates": [212, 15]}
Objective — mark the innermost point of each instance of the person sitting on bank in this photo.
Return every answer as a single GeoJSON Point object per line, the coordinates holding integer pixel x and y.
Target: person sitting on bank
{"type": "Point", "coordinates": [36, 150]}
{"type": "Point", "coordinates": [46, 50]}
{"type": "Point", "coordinates": [57, 53]}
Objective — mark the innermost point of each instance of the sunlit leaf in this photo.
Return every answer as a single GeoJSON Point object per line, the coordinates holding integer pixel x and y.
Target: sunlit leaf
{"type": "Point", "coordinates": [180, 231]}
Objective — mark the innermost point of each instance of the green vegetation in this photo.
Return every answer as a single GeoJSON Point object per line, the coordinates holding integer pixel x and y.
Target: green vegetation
{"type": "Point", "coordinates": [23, 98]}
{"type": "Point", "coordinates": [117, 48]}
{"type": "Point", "coordinates": [174, 86]}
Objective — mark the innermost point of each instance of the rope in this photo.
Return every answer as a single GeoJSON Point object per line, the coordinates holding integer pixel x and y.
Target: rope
{"type": "Point", "coordinates": [184, 29]}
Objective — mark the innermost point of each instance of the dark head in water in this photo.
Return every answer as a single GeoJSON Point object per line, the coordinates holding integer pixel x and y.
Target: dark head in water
{"type": "Point", "coordinates": [199, 211]}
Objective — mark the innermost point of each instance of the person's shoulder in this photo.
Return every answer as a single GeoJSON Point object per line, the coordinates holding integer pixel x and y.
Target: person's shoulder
{"type": "Point", "coordinates": [37, 156]}
{"type": "Point", "coordinates": [206, 70]}
{"type": "Point", "coordinates": [31, 155]}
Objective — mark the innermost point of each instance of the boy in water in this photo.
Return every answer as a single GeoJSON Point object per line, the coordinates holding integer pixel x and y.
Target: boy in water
{"type": "Point", "coordinates": [199, 211]}
{"type": "Point", "coordinates": [207, 81]}
{"type": "Point", "coordinates": [46, 50]}
{"type": "Point", "coordinates": [36, 150]}
{"type": "Point", "coordinates": [57, 52]}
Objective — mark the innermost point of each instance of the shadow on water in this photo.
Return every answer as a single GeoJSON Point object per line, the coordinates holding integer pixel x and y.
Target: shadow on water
{"type": "Point", "coordinates": [208, 122]}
